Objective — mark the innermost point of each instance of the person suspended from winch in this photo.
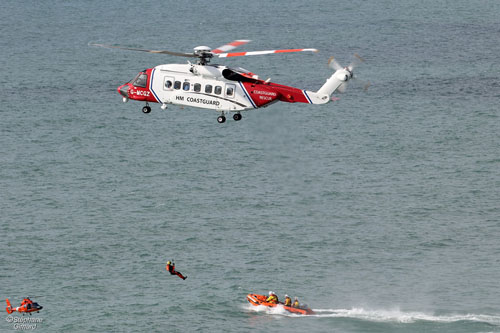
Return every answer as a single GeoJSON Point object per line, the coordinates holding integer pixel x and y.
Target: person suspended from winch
{"type": "Point", "coordinates": [171, 269]}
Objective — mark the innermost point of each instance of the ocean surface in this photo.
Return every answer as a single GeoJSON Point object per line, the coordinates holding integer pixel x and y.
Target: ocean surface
{"type": "Point", "coordinates": [381, 210]}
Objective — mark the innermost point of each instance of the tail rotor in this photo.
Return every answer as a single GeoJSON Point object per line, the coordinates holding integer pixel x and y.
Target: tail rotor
{"type": "Point", "coordinates": [357, 60]}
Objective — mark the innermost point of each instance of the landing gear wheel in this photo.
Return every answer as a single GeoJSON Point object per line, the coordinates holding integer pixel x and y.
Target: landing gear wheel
{"type": "Point", "coordinates": [146, 109]}
{"type": "Point", "coordinates": [221, 119]}
{"type": "Point", "coordinates": [237, 116]}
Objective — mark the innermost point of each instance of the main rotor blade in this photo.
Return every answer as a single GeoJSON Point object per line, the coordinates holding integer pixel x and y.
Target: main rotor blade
{"type": "Point", "coordinates": [241, 54]}
{"type": "Point", "coordinates": [190, 55]}
{"type": "Point", "coordinates": [230, 46]}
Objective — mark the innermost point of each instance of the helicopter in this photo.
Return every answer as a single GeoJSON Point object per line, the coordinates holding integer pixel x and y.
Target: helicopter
{"type": "Point", "coordinates": [27, 306]}
{"type": "Point", "coordinates": [221, 88]}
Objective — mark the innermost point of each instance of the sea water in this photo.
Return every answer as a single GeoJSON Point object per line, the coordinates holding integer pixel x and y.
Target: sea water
{"type": "Point", "coordinates": [379, 210]}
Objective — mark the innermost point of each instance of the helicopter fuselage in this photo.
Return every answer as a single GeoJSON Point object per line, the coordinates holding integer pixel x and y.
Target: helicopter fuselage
{"type": "Point", "coordinates": [213, 87]}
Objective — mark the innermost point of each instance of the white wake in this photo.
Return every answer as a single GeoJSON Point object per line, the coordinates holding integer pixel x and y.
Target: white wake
{"type": "Point", "coordinates": [394, 315]}
{"type": "Point", "coordinates": [277, 310]}
{"type": "Point", "coordinates": [399, 316]}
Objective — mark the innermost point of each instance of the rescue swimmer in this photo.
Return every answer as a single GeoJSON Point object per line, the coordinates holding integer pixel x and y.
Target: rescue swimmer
{"type": "Point", "coordinates": [171, 269]}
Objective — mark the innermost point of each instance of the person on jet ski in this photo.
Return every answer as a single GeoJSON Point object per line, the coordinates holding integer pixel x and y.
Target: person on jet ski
{"type": "Point", "coordinates": [171, 269]}
{"type": "Point", "coordinates": [272, 298]}
{"type": "Point", "coordinates": [296, 303]}
{"type": "Point", "coordinates": [288, 301]}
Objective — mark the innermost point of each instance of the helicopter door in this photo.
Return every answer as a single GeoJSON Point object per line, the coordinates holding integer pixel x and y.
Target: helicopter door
{"type": "Point", "coordinates": [230, 89]}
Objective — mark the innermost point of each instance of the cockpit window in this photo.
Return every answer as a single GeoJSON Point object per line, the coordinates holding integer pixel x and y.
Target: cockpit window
{"type": "Point", "coordinates": [140, 80]}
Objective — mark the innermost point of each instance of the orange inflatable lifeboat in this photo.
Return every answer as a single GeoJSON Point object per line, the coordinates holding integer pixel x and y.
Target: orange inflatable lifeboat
{"type": "Point", "coordinates": [256, 299]}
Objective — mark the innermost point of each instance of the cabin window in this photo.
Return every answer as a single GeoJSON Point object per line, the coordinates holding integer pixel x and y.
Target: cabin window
{"type": "Point", "coordinates": [186, 86]}
{"type": "Point", "coordinates": [208, 88]}
{"type": "Point", "coordinates": [169, 83]}
{"type": "Point", "coordinates": [230, 90]}
{"type": "Point", "coordinates": [141, 80]}
{"type": "Point", "coordinates": [177, 85]}
{"type": "Point", "coordinates": [218, 90]}
{"type": "Point", "coordinates": [197, 87]}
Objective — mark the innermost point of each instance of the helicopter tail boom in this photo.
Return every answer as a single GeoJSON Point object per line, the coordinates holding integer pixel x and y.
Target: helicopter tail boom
{"type": "Point", "coordinates": [335, 82]}
{"type": "Point", "coordinates": [9, 307]}
{"type": "Point", "coordinates": [338, 81]}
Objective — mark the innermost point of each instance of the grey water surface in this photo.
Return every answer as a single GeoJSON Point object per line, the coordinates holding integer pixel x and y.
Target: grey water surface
{"type": "Point", "coordinates": [380, 210]}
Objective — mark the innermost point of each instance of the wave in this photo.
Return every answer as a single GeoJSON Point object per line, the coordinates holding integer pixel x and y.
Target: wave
{"type": "Point", "coordinates": [395, 315]}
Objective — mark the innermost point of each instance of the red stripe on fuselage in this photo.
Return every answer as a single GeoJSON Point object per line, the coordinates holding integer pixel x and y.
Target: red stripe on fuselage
{"type": "Point", "coordinates": [265, 93]}
{"type": "Point", "coordinates": [140, 93]}
{"type": "Point", "coordinates": [290, 94]}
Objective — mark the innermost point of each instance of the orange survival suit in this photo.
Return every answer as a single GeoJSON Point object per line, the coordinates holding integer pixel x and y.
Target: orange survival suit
{"type": "Point", "coordinates": [171, 269]}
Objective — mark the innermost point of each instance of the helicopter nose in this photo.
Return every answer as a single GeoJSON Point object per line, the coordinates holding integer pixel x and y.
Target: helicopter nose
{"type": "Point", "coordinates": [123, 90]}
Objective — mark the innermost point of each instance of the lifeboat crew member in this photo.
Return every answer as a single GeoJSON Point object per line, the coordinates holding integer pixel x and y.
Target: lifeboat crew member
{"type": "Point", "coordinates": [296, 303]}
{"type": "Point", "coordinates": [171, 269]}
{"type": "Point", "coordinates": [272, 298]}
{"type": "Point", "coordinates": [288, 301]}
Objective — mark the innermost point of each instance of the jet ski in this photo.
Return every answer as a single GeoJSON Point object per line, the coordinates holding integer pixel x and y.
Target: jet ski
{"type": "Point", "coordinates": [256, 299]}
